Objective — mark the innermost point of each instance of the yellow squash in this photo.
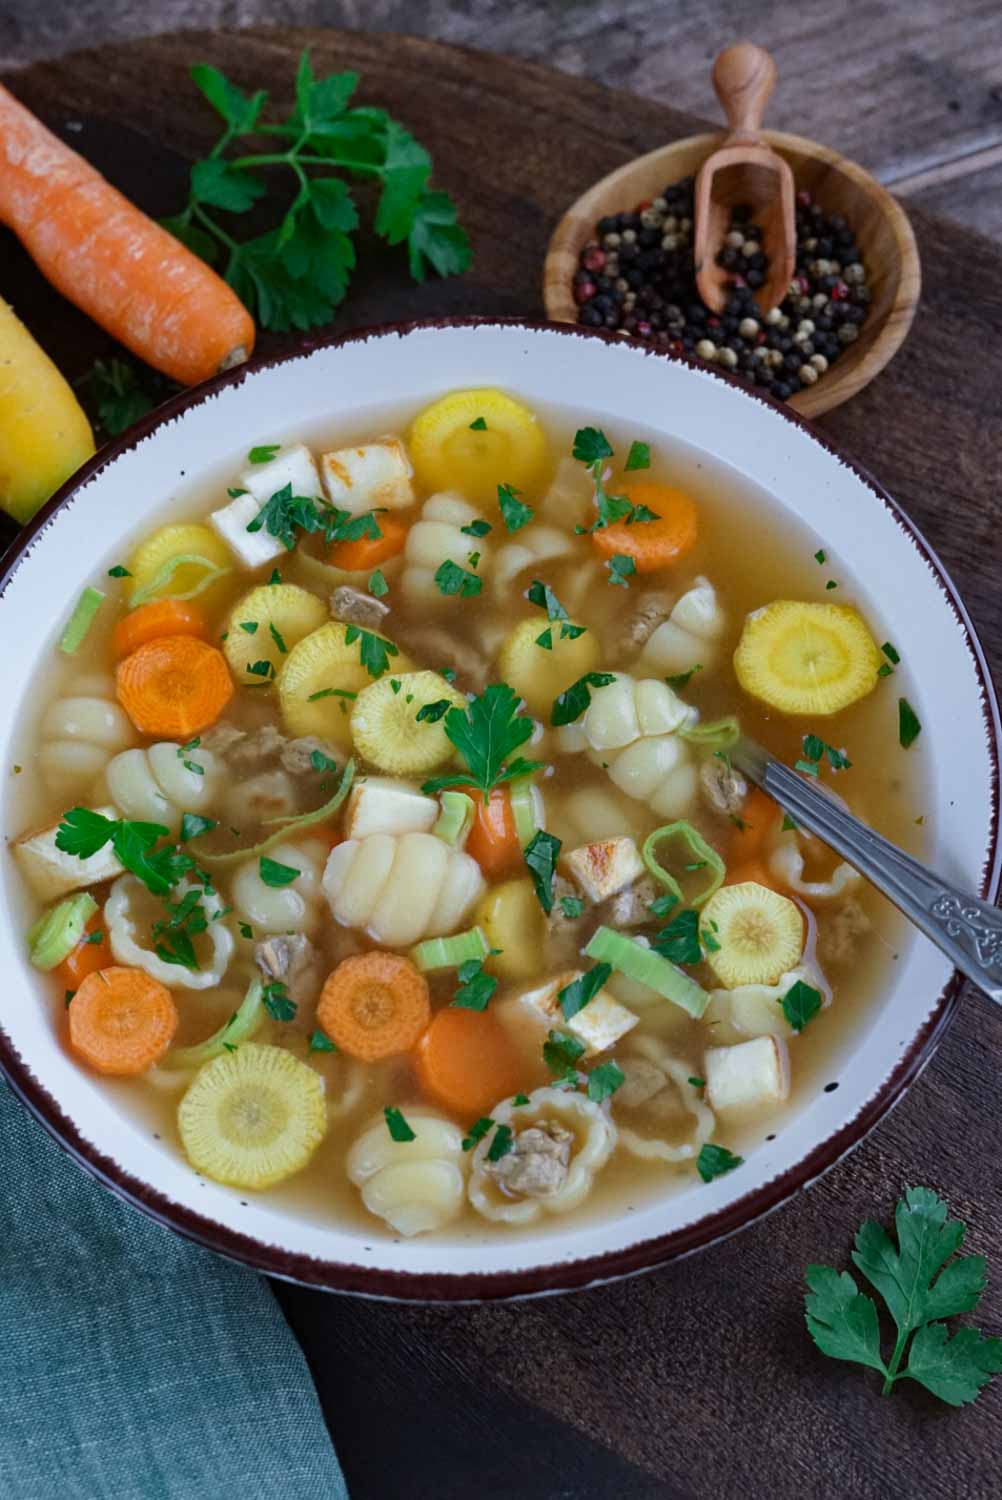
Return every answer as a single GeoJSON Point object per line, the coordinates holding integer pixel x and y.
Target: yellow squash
{"type": "Point", "coordinates": [44, 435]}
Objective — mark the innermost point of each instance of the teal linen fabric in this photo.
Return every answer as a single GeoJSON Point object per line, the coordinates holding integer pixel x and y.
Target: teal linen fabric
{"type": "Point", "coordinates": [133, 1364]}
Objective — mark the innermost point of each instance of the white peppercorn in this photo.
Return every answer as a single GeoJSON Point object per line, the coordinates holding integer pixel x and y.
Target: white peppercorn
{"type": "Point", "coordinates": [748, 328]}
{"type": "Point", "coordinates": [853, 273]}
{"type": "Point", "coordinates": [706, 349]}
{"type": "Point", "coordinates": [660, 204]}
{"type": "Point", "coordinates": [671, 224]}
{"type": "Point", "coordinates": [629, 236]}
{"type": "Point", "coordinates": [848, 333]}
{"type": "Point", "coordinates": [808, 374]}
{"type": "Point", "coordinates": [651, 220]}
{"type": "Point", "coordinates": [773, 315]}
{"type": "Point", "coordinates": [621, 284]}
{"type": "Point", "coordinates": [819, 300]}
{"type": "Point", "coordinates": [805, 326]}
{"type": "Point", "coordinates": [612, 241]}
{"type": "Point", "coordinates": [727, 357]}
{"type": "Point", "coordinates": [819, 363]}
{"type": "Point", "coordinates": [750, 247]}
{"type": "Point", "coordinates": [685, 225]}
{"type": "Point", "coordinates": [670, 242]}
{"type": "Point", "coordinates": [735, 239]}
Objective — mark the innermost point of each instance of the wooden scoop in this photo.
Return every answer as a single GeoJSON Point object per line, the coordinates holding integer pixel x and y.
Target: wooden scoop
{"type": "Point", "coordinates": [745, 170]}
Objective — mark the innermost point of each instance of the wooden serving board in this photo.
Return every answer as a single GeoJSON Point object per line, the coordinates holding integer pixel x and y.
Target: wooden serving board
{"type": "Point", "coordinates": [699, 1379]}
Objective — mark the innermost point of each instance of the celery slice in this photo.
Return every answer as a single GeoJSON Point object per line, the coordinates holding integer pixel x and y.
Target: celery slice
{"type": "Point", "coordinates": [455, 820]}
{"type": "Point", "coordinates": [58, 931]}
{"type": "Point", "coordinates": [81, 620]}
{"type": "Point", "coordinates": [159, 582]}
{"type": "Point", "coordinates": [702, 858]}
{"type": "Point", "coordinates": [525, 808]}
{"type": "Point", "coordinates": [720, 734]}
{"type": "Point", "coordinates": [242, 1025]}
{"type": "Point", "coordinates": [450, 952]}
{"type": "Point", "coordinates": [647, 967]}
{"type": "Point", "coordinates": [290, 827]}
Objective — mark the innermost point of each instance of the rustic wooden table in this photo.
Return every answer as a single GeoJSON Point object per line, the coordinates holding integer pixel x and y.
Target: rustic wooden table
{"type": "Point", "coordinates": [698, 1379]}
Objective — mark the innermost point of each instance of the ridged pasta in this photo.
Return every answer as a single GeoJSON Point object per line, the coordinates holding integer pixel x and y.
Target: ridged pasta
{"type": "Point", "coordinates": [297, 907]}
{"type": "Point", "coordinates": [659, 771]}
{"type": "Point", "coordinates": [157, 785]}
{"type": "Point", "coordinates": [123, 934]}
{"type": "Point", "coordinates": [591, 813]}
{"type": "Point", "coordinates": [627, 709]}
{"type": "Point", "coordinates": [80, 732]}
{"type": "Point", "coordinates": [690, 636]}
{"type": "Point", "coordinates": [676, 1073]}
{"type": "Point", "coordinates": [436, 538]}
{"type": "Point", "coordinates": [519, 560]}
{"type": "Point", "coordinates": [417, 1185]}
{"type": "Point", "coordinates": [786, 861]}
{"type": "Point", "coordinates": [594, 1138]}
{"type": "Point", "coordinates": [401, 888]}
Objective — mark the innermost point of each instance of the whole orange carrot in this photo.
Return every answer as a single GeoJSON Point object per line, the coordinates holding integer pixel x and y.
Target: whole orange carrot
{"type": "Point", "coordinates": [118, 266]}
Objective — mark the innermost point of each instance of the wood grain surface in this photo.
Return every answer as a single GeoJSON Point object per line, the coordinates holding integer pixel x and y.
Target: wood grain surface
{"type": "Point", "coordinates": [697, 1380]}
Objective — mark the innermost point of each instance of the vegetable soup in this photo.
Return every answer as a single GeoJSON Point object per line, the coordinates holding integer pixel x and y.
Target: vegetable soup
{"type": "Point", "coordinates": [383, 840]}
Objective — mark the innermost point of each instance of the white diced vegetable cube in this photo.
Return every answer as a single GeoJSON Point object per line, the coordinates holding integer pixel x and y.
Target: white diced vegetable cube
{"type": "Point", "coordinates": [605, 868]}
{"type": "Point", "coordinates": [380, 804]}
{"type": "Point", "coordinates": [52, 873]}
{"type": "Point", "coordinates": [292, 466]}
{"type": "Point", "coordinates": [599, 1025]}
{"type": "Point", "coordinates": [751, 1076]}
{"type": "Point", "coordinates": [374, 477]}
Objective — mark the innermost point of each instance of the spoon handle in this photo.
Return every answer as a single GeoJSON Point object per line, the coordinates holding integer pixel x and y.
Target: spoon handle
{"type": "Point", "coordinates": [744, 77]}
{"type": "Point", "coordinates": [966, 929]}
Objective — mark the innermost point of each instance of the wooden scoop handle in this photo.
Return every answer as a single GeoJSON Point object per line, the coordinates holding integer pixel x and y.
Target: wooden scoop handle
{"type": "Point", "coordinates": [744, 77]}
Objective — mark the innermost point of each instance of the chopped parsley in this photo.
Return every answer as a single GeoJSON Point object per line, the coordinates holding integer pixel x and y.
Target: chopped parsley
{"type": "Point", "coordinates": [277, 638]}
{"type": "Point", "coordinates": [582, 991]}
{"type": "Point", "coordinates": [478, 1130]}
{"type": "Point", "coordinates": [478, 424]}
{"type": "Point", "coordinates": [815, 749]}
{"type": "Point", "coordinates": [83, 832]}
{"type": "Point", "coordinates": [246, 930]}
{"type": "Point", "coordinates": [571, 906]}
{"type": "Point", "coordinates": [274, 577]}
{"type": "Point", "coordinates": [475, 987]}
{"type": "Point", "coordinates": [662, 905]}
{"type": "Point", "coordinates": [397, 1125]}
{"type": "Point", "coordinates": [696, 1081]}
{"type": "Point", "coordinates": [331, 693]}
{"type": "Point", "coordinates": [679, 941]}
{"type": "Point", "coordinates": [263, 454]}
{"type": "Point", "coordinates": [801, 1004]}
{"type": "Point", "coordinates": [541, 594]}
{"type": "Point", "coordinates": [820, 556]}
{"type": "Point", "coordinates": [378, 585]}
{"type": "Point", "coordinates": [909, 727]}
{"type": "Point", "coordinates": [250, 626]}
{"type": "Point", "coordinates": [430, 713]}
{"type": "Point", "coordinates": [520, 1099]}
{"type": "Point", "coordinates": [173, 934]}
{"type": "Point", "coordinates": [264, 668]}
{"type": "Point", "coordinates": [540, 855]}
{"type": "Point", "coordinates": [714, 1161]}
{"type": "Point", "coordinates": [639, 457]}
{"type": "Point", "coordinates": [374, 651]}
{"type": "Point", "coordinates": [321, 762]}
{"type": "Point", "coordinates": [890, 653]}
{"type": "Point", "coordinates": [276, 875]}
{"type": "Point", "coordinates": [193, 826]}
{"type": "Point", "coordinates": [788, 825]}
{"type": "Point", "coordinates": [591, 448]}
{"type": "Point", "coordinates": [321, 1042]}
{"type": "Point", "coordinates": [450, 579]}
{"type": "Point", "coordinates": [682, 679]}
{"type": "Point", "coordinates": [561, 1054]}
{"type": "Point", "coordinates": [277, 1001]}
{"type": "Point", "coordinates": [513, 512]}
{"type": "Point", "coordinates": [503, 1142]}
{"type": "Point", "coordinates": [477, 528]}
{"type": "Point", "coordinates": [572, 702]}
{"type": "Point", "coordinates": [119, 572]}
{"type": "Point", "coordinates": [604, 1080]}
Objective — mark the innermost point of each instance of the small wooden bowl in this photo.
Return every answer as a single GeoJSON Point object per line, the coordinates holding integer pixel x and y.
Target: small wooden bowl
{"type": "Point", "coordinates": [879, 223]}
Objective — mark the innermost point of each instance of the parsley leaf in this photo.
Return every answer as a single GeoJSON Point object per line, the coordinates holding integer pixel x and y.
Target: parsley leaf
{"type": "Point", "coordinates": [572, 702]}
{"type": "Point", "coordinates": [477, 528]}
{"type": "Point", "coordinates": [486, 733]}
{"type": "Point", "coordinates": [890, 653]}
{"type": "Point", "coordinates": [639, 457]}
{"type": "Point", "coordinates": [662, 905]}
{"type": "Point", "coordinates": [193, 826]}
{"type": "Point", "coordinates": [679, 941]}
{"type": "Point", "coordinates": [378, 585]}
{"type": "Point", "coordinates": [621, 567]}
{"type": "Point", "coordinates": [591, 445]}
{"type": "Point", "coordinates": [682, 679]}
{"type": "Point", "coordinates": [275, 874]}
{"type": "Point", "coordinates": [909, 727]}
{"type": "Point", "coordinates": [604, 1080]}
{"type": "Point", "coordinates": [476, 987]}
{"type": "Point", "coordinates": [115, 388]}
{"type": "Point", "coordinates": [801, 1004]}
{"type": "Point", "coordinates": [480, 1127]}
{"type": "Point", "coordinates": [277, 1001]}
{"type": "Point", "coordinates": [571, 906]}
{"type": "Point", "coordinates": [561, 1054]}
{"type": "Point", "coordinates": [321, 1042]}
{"type": "Point", "coordinates": [452, 579]}
{"type": "Point", "coordinates": [815, 749]}
{"type": "Point", "coordinates": [502, 1143]}
{"type": "Point", "coordinates": [582, 991]}
{"type": "Point", "coordinates": [919, 1288]}
{"type": "Point", "coordinates": [479, 424]}
{"type": "Point", "coordinates": [714, 1161]}
{"type": "Point", "coordinates": [514, 514]}
{"type": "Point", "coordinates": [541, 854]}
{"type": "Point", "coordinates": [430, 713]}
{"type": "Point", "coordinates": [284, 515]}
{"type": "Point", "coordinates": [119, 572]}
{"type": "Point", "coordinates": [265, 452]}
{"type": "Point", "coordinates": [374, 651]}
{"type": "Point", "coordinates": [397, 1125]}
{"type": "Point", "coordinates": [83, 832]}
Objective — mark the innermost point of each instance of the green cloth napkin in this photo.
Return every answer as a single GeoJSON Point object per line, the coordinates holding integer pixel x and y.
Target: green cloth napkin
{"type": "Point", "coordinates": [133, 1364]}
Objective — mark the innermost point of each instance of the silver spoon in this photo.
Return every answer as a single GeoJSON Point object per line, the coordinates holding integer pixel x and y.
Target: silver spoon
{"type": "Point", "coordinates": [966, 929]}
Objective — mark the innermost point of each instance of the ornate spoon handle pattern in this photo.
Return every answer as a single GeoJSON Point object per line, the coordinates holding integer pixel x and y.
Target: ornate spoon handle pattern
{"type": "Point", "coordinates": [967, 930]}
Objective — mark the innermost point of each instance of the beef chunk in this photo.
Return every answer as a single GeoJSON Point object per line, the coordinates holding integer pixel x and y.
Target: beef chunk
{"type": "Point", "coordinates": [294, 962]}
{"type": "Point", "coordinates": [296, 756]}
{"type": "Point", "coordinates": [353, 607]}
{"type": "Point", "coordinates": [256, 750]}
{"type": "Point", "coordinates": [723, 789]}
{"type": "Point", "coordinates": [222, 738]}
{"type": "Point", "coordinates": [651, 611]}
{"type": "Point", "coordinates": [537, 1164]}
{"type": "Point", "coordinates": [631, 908]}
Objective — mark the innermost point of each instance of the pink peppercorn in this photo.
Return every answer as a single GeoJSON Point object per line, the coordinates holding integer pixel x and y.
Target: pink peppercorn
{"type": "Point", "coordinates": [643, 330]}
{"type": "Point", "coordinates": [593, 259]}
{"type": "Point", "coordinates": [839, 292]}
{"type": "Point", "coordinates": [584, 290]}
{"type": "Point", "coordinates": [804, 198]}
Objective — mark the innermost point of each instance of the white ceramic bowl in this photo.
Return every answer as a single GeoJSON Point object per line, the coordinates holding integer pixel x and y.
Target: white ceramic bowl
{"type": "Point", "coordinates": [599, 377]}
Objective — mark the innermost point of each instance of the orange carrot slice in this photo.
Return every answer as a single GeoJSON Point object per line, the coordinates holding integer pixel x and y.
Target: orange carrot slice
{"type": "Point", "coordinates": [87, 957]}
{"type": "Point", "coordinates": [175, 686]}
{"type": "Point", "coordinates": [493, 840]}
{"type": "Point", "coordinates": [118, 266]}
{"type": "Point", "coordinates": [467, 1063]}
{"type": "Point", "coordinates": [374, 1005]}
{"type": "Point", "coordinates": [122, 1021]}
{"type": "Point", "coordinates": [151, 621]}
{"type": "Point", "coordinates": [369, 552]}
{"type": "Point", "coordinates": [651, 544]}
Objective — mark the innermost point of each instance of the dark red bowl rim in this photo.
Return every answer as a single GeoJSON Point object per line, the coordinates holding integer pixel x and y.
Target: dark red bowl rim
{"type": "Point", "coordinates": [648, 1254]}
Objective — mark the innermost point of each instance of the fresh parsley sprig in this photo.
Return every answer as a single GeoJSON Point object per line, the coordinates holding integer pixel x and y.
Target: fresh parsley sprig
{"type": "Point", "coordinates": [83, 832]}
{"type": "Point", "coordinates": [487, 733]}
{"type": "Point", "coordinates": [592, 448]}
{"type": "Point", "coordinates": [295, 274]}
{"type": "Point", "coordinates": [920, 1289]}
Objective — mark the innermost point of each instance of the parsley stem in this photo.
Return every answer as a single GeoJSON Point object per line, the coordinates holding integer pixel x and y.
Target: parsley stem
{"type": "Point", "coordinates": [892, 1368]}
{"type": "Point", "coordinates": [214, 228]}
